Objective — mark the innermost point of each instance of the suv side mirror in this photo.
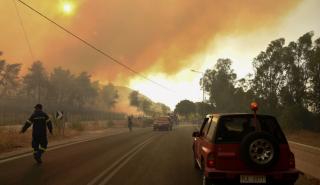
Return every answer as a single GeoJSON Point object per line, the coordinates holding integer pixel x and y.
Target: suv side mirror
{"type": "Point", "coordinates": [196, 134]}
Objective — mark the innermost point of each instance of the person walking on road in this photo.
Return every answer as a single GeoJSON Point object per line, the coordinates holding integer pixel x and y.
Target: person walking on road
{"type": "Point", "coordinates": [130, 123]}
{"type": "Point", "coordinates": [40, 122]}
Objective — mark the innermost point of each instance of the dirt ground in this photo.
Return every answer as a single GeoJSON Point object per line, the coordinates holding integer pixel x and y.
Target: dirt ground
{"type": "Point", "coordinates": [307, 180]}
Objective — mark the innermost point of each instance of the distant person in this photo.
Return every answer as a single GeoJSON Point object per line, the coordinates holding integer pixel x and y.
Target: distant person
{"type": "Point", "coordinates": [40, 122]}
{"type": "Point", "coordinates": [130, 123]}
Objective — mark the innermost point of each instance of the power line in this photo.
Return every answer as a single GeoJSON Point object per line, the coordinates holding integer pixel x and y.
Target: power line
{"type": "Point", "coordinates": [23, 29]}
{"type": "Point", "coordinates": [93, 47]}
{"type": "Point", "coordinates": [27, 40]}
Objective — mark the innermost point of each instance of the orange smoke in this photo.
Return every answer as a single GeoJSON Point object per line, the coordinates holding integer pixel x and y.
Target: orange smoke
{"type": "Point", "coordinates": [147, 34]}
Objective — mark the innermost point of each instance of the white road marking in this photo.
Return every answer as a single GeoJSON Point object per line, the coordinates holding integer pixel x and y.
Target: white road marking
{"type": "Point", "coordinates": [107, 179]}
{"type": "Point", "coordinates": [119, 163]}
{"type": "Point", "coordinates": [56, 147]}
{"type": "Point", "coordinates": [304, 145]}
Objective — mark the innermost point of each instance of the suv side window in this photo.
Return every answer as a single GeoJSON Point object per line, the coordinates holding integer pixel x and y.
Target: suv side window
{"type": "Point", "coordinates": [212, 128]}
{"type": "Point", "coordinates": [205, 126]}
{"type": "Point", "coordinates": [270, 125]}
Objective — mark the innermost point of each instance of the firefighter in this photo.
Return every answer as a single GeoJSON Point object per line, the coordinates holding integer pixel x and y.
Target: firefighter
{"type": "Point", "coordinates": [130, 123]}
{"type": "Point", "coordinates": [40, 122]}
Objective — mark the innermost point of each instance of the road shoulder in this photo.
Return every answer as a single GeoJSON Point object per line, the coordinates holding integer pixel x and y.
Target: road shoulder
{"type": "Point", "coordinates": [83, 137]}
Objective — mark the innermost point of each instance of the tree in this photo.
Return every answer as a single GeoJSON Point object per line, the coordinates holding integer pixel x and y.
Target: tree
{"type": "Point", "coordinates": [296, 57]}
{"type": "Point", "coordinates": [313, 67]}
{"type": "Point", "coordinates": [164, 108]}
{"type": "Point", "coordinates": [134, 99]}
{"type": "Point", "coordinates": [109, 95]}
{"type": "Point", "coordinates": [185, 108]}
{"type": "Point", "coordinates": [219, 82]}
{"type": "Point", "coordinates": [36, 82]}
{"type": "Point", "coordinates": [146, 107]}
{"type": "Point", "coordinates": [203, 109]}
{"type": "Point", "coordinates": [269, 76]}
{"type": "Point", "coordinates": [84, 92]}
{"type": "Point", "coordinates": [9, 80]}
{"type": "Point", "coordinates": [61, 86]}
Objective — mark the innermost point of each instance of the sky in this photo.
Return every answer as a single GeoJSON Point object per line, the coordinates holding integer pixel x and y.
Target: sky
{"type": "Point", "coordinates": [163, 40]}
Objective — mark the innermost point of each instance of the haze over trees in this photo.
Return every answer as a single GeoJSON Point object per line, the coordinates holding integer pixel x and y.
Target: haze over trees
{"type": "Point", "coordinates": [285, 83]}
{"type": "Point", "coordinates": [9, 79]}
{"type": "Point", "coordinates": [109, 95]}
{"type": "Point", "coordinates": [146, 106]}
{"type": "Point", "coordinates": [75, 94]}
{"type": "Point", "coordinates": [185, 108]}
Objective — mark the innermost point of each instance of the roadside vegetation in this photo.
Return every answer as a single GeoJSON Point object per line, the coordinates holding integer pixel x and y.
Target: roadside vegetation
{"type": "Point", "coordinates": [86, 104]}
{"type": "Point", "coordinates": [77, 95]}
{"type": "Point", "coordinates": [146, 106]}
{"type": "Point", "coordinates": [285, 83]}
{"type": "Point", "coordinates": [12, 140]}
{"type": "Point", "coordinates": [74, 94]}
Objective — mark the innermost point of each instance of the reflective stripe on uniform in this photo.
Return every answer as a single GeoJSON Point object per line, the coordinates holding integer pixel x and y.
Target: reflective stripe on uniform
{"type": "Point", "coordinates": [28, 121]}
{"type": "Point", "coordinates": [41, 148]}
{"type": "Point", "coordinates": [40, 117]}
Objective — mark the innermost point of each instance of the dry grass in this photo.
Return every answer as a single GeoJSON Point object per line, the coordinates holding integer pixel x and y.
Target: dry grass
{"type": "Point", "coordinates": [11, 139]}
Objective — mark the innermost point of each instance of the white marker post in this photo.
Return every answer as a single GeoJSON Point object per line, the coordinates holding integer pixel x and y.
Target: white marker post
{"type": "Point", "coordinates": [60, 121]}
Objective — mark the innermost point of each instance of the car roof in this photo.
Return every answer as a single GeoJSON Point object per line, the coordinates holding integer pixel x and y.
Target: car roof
{"type": "Point", "coordinates": [236, 114]}
{"type": "Point", "coordinates": [161, 117]}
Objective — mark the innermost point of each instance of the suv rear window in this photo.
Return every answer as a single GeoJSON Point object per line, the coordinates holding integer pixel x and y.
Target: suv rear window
{"type": "Point", "coordinates": [232, 129]}
{"type": "Point", "coordinates": [162, 119]}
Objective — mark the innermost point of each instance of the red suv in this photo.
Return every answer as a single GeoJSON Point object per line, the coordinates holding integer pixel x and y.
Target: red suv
{"type": "Point", "coordinates": [243, 149]}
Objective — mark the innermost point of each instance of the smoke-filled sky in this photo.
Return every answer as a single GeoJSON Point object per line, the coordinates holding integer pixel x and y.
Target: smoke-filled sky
{"type": "Point", "coordinates": [161, 39]}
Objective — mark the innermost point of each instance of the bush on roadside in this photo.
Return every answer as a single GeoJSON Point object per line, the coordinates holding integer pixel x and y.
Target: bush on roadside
{"type": "Point", "coordinates": [11, 139]}
{"type": "Point", "coordinates": [296, 118]}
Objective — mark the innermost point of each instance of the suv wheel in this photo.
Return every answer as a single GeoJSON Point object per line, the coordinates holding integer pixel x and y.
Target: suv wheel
{"type": "Point", "coordinates": [259, 150]}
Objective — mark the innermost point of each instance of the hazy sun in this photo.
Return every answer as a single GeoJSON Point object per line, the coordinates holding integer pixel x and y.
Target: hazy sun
{"type": "Point", "coordinates": [67, 7]}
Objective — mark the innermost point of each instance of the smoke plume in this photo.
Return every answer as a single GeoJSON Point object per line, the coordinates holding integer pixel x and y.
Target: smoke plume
{"type": "Point", "coordinates": [146, 35]}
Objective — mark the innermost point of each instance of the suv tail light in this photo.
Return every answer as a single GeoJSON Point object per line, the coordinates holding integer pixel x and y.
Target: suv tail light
{"type": "Point", "coordinates": [210, 160]}
{"type": "Point", "coordinates": [292, 163]}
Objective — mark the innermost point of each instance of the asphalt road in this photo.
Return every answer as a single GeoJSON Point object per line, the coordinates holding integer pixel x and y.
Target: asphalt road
{"type": "Point", "coordinates": [142, 157]}
{"type": "Point", "coordinates": [307, 158]}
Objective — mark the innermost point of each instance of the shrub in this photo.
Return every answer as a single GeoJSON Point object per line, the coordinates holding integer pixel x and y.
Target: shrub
{"type": "Point", "coordinates": [296, 117]}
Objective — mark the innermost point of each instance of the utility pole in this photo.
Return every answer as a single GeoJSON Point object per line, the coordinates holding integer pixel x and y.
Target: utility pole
{"type": "Point", "coordinates": [195, 71]}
